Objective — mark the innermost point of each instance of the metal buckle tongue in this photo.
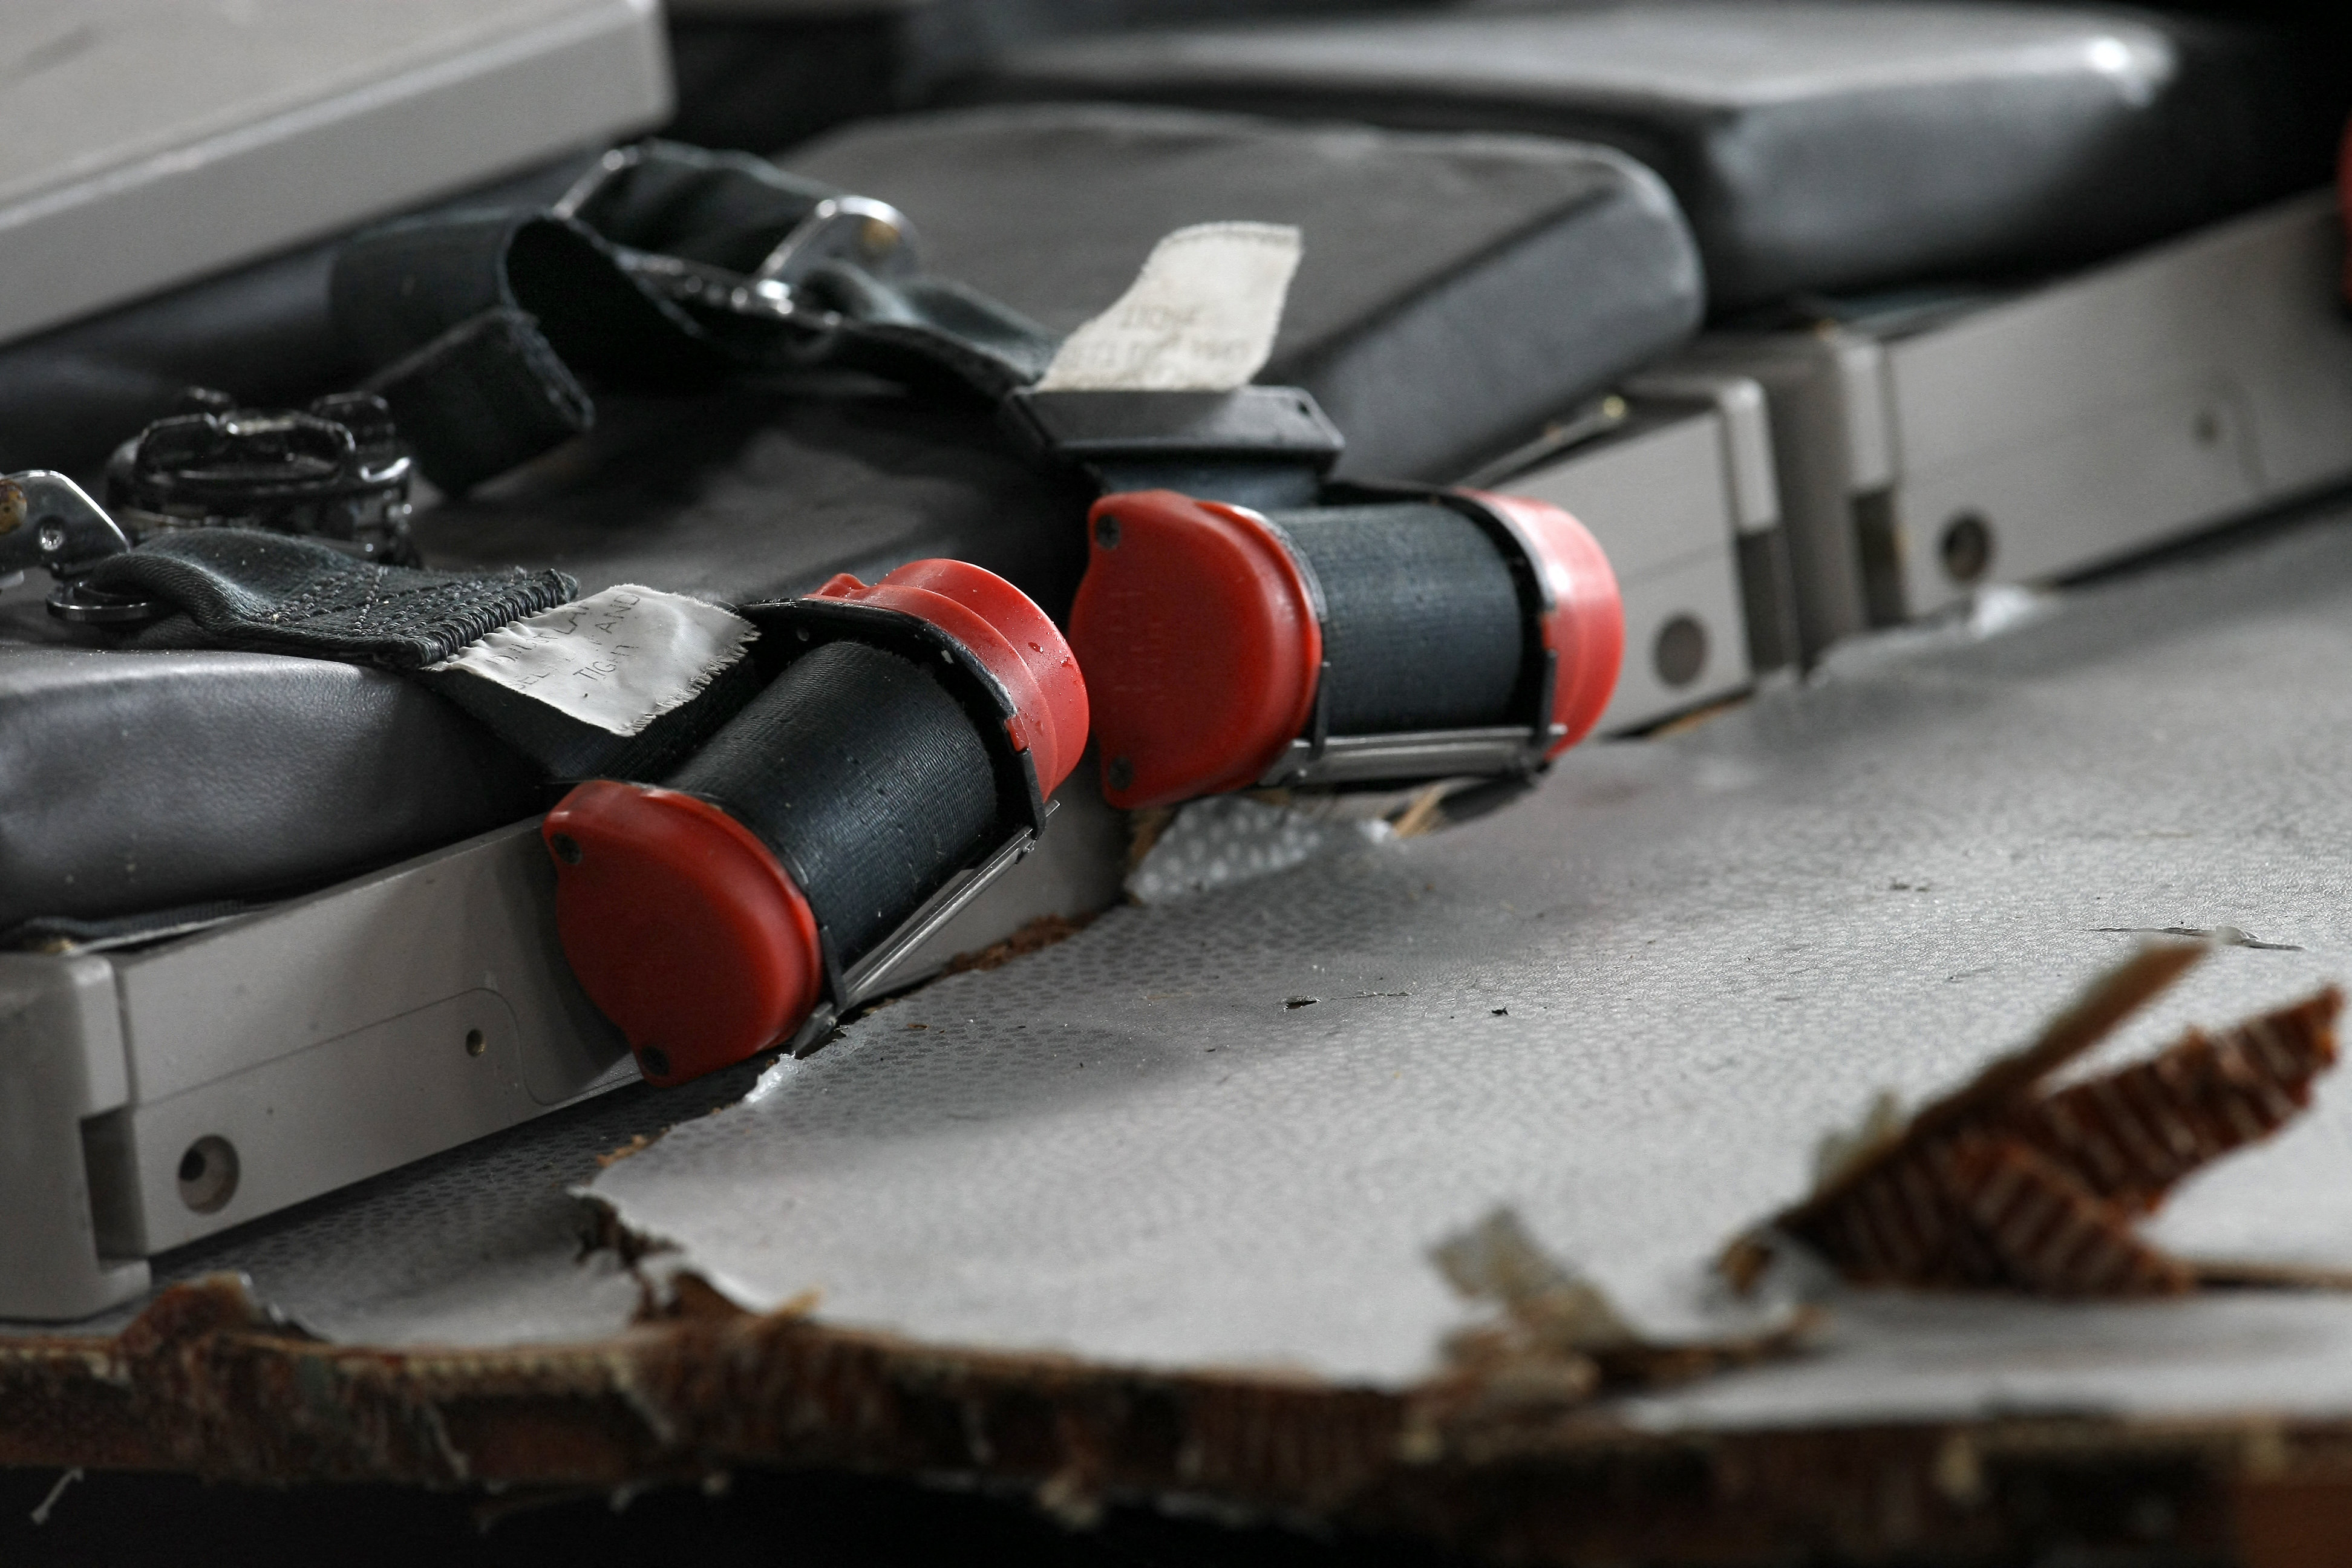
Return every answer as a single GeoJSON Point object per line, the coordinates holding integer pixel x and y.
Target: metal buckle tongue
{"type": "Point", "coordinates": [47, 521]}
{"type": "Point", "coordinates": [859, 230]}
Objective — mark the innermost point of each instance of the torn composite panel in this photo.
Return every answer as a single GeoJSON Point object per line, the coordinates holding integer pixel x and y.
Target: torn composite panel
{"type": "Point", "coordinates": [205, 1382]}
{"type": "Point", "coordinates": [1705, 949]}
{"type": "Point", "coordinates": [1623, 1009]}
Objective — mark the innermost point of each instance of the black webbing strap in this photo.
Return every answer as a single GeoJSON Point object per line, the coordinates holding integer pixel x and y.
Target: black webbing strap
{"type": "Point", "coordinates": [242, 588]}
{"type": "Point", "coordinates": [1254, 446]}
{"type": "Point", "coordinates": [490, 327]}
{"type": "Point", "coordinates": [267, 592]}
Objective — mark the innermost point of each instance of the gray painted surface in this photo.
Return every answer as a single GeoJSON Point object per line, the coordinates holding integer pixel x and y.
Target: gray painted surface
{"type": "Point", "coordinates": [1710, 949]}
{"type": "Point", "coordinates": [1665, 503]}
{"type": "Point", "coordinates": [144, 145]}
{"type": "Point", "coordinates": [2082, 422]}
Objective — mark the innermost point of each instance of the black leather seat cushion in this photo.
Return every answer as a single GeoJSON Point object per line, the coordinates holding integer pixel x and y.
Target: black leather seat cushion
{"type": "Point", "coordinates": [151, 780]}
{"type": "Point", "coordinates": [1816, 146]}
{"type": "Point", "coordinates": [1456, 291]}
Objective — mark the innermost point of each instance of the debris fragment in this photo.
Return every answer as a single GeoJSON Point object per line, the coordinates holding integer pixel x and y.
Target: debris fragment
{"type": "Point", "coordinates": [2220, 936]}
{"type": "Point", "coordinates": [1034, 937]}
{"type": "Point", "coordinates": [600, 1230]}
{"type": "Point", "coordinates": [40, 1515]}
{"type": "Point", "coordinates": [1559, 1342]}
{"type": "Point", "coordinates": [637, 1144]}
{"type": "Point", "coordinates": [1426, 811]}
{"type": "Point", "coordinates": [1497, 1260]}
{"type": "Point", "coordinates": [1227, 839]}
{"type": "Point", "coordinates": [2002, 1183]}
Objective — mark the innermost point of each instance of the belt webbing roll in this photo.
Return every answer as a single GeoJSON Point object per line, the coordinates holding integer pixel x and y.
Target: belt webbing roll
{"type": "Point", "coordinates": [1423, 628]}
{"type": "Point", "coordinates": [863, 777]}
{"type": "Point", "coordinates": [904, 751]}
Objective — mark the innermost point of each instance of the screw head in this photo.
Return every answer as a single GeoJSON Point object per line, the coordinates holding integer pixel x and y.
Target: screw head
{"type": "Point", "coordinates": [208, 1174]}
{"type": "Point", "coordinates": [1679, 652]}
{"type": "Point", "coordinates": [1967, 547]}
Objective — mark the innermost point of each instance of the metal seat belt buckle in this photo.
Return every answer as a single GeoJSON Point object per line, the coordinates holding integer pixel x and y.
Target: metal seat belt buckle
{"type": "Point", "coordinates": [337, 471]}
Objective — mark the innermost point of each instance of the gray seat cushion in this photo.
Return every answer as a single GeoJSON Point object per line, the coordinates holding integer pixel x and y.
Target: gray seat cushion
{"type": "Point", "coordinates": [149, 781]}
{"type": "Point", "coordinates": [1816, 146]}
{"type": "Point", "coordinates": [1455, 292]}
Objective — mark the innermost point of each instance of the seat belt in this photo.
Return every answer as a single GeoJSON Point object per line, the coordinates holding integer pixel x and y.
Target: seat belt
{"type": "Point", "coordinates": [245, 587]}
{"type": "Point", "coordinates": [751, 267]}
{"type": "Point", "coordinates": [622, 684]}
{"type": "Point", "coordinates": [667, 267]}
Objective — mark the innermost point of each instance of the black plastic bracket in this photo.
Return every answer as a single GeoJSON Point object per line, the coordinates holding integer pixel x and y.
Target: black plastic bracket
{"type": "Point", "coordinates": [1249, 425]}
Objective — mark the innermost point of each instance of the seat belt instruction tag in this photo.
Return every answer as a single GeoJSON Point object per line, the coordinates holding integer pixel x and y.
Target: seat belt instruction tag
{"type": "Point", "coordinates": [618, 659]}
{"type": "Point", "coordinates": [1199, 317]}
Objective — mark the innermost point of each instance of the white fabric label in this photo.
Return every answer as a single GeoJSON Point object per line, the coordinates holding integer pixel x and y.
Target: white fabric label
{"type": "Point", "coordinates": [1199, 317]}
{"type": "Point", "coordinates": [618, 659]}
